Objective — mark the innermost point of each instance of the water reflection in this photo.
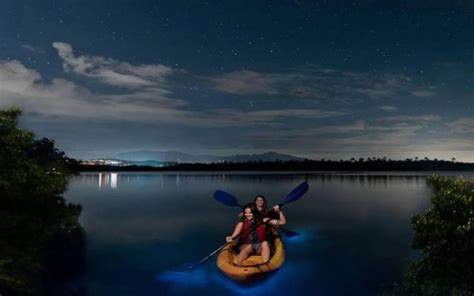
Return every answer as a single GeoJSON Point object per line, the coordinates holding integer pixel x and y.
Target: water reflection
{"type": "Point", "coordinates": [112, 180]}
{"type": "Point", "coordinates": [354, 230]}
{"type": "Point", "coordinates": [108, 180]}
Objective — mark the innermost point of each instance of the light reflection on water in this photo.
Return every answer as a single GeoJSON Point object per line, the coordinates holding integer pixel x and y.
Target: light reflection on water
{"type": "Point", "coordinates": [354, 231]}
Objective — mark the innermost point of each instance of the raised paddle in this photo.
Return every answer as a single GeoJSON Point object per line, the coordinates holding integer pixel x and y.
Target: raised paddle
{"type": "Point", "coordinates": [229, 200]}
{"type": "Point", "coordinates": [296, 193]}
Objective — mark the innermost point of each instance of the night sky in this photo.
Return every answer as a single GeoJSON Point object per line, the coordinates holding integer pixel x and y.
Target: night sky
{"type": "Point", "coordinates": [332, 79]}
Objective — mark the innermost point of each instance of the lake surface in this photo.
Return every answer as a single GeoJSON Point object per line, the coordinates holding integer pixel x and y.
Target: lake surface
{"type": "Point", "coordinates": [354, 231]}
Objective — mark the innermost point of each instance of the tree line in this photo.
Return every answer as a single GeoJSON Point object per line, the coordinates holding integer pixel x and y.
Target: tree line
{"type": "Point", "coordinates": [369, 164]}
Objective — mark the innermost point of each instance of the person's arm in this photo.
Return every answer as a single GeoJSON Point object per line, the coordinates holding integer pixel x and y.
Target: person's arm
{"type": "Point", "coordinates": [237, 230]}
{"type": "Point", "coordinates": [274, 213]}
{"type": "Point", "coordinates": [281, 218]}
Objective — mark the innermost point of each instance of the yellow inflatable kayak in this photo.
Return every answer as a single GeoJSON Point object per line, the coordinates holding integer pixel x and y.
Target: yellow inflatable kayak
{"type": "Point", "coordinates": [252, 268]}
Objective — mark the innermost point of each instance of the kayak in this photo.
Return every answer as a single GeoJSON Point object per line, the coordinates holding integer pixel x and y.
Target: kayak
{"type": "Point", "coordinates": [252, 268]}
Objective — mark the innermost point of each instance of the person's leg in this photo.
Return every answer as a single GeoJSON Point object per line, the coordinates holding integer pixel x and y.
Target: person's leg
{"type": "Point", "coordinates": [245, 252]}
{"type": "Point", "coordinates": [265, 252]}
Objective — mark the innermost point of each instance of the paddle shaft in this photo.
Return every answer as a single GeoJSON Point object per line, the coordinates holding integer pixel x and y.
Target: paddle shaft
{"type": "Point", "coordinates": [210, 255]}
{"type": "Point", "coordinates": [225, 244]}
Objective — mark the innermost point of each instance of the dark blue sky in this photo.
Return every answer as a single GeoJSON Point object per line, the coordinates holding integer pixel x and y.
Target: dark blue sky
{"type": "Point", "coordinates": [332, 79]}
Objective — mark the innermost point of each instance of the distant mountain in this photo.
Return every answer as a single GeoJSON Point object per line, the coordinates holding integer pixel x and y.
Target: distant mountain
{"type": "Point", "coordinates": [269, 156]}
{"type": "Point", "coordinates": [173, 156]}
{"type": "Point", "coordinates": [153, 163]}
{"type": "Point", "coordinates": [164, 156]}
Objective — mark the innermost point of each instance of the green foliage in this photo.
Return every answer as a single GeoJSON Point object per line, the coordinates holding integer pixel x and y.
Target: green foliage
{"type": "Point", "coordinates": [444, 234]}
{"type": "Point", "coordinates": [33, 176]}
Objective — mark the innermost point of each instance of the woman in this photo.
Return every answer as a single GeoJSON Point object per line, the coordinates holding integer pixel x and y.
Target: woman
{"type": "Point", "coordinates": [252, 231]}
{"type": "Point", "coordinates": [261, 204]}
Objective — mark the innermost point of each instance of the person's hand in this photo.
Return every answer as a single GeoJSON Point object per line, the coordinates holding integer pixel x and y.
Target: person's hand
{"type": "Point", "coordinates": [276, 208]}
{"type": "Point", "coordinates": [228, 239]}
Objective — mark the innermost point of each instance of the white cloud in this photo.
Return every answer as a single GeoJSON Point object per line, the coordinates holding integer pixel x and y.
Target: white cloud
{"type": "Point", "coordinates": [244, 82]}
{"type": "Point", "coordinates": [462, 125]}
{"type": "Point", "coordinates": [268, 117]}
{"type": "Point", "coordinates": [358, 139]}
{"type": "Point", "coordinates": [388, 108]}
{"type": "Point", "coordinates": [28, 47]}
{"type": "Point", "coordinates": [398, 137]}
{"type": "Point", "coordinates": [423, 93]}
{"type": "Point", "coordinates": [14, 76]}
{"type": "Point", "coordinates": [397, 140]}
{"type": "Point", "coordinates": [356, 126]}
{"type": "Point", "coordinates": [317, 82]}
{"type": "Point", "coordinates": [410, 118]}
{"type": "Point", "coordinates": [111, 71]}
{"type": "Point", "coordinates": [25, 88]}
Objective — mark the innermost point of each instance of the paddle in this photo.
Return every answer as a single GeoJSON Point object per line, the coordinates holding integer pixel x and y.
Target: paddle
{"type": "Point", "coordinates": [296, 193]}
{"type": "Point", "coordinates": [208, 256]}
{"type": "Point", "coordinates": [191, 267]}
{"type": "Point", "coordinates": [229, 200]}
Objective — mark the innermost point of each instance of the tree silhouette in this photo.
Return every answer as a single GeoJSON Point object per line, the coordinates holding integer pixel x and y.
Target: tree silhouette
{"type": "Point", "coordinates": [33, 213]}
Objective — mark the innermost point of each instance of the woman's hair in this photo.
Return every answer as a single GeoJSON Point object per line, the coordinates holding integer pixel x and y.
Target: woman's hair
{"type": "Point", "coordinates": [253, 208]}
{"type": "Point", "coordinates": [265, 206]}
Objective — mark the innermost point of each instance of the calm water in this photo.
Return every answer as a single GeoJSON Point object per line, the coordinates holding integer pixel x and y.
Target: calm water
{"type": "Point", "coordinates": [354, 230]}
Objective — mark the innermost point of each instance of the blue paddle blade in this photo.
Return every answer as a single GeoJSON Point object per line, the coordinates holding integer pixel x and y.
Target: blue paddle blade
{"type": "Point", "coordinates": [296, 193]}
{"type": "Point", "coordinates": [226, 198]}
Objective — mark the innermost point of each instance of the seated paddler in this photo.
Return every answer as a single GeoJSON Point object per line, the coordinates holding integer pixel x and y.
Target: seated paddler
{"type": "Point", "coordinates": [252, 233]}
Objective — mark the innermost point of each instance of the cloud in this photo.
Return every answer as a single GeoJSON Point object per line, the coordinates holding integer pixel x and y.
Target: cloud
{"type": "Point", "coordinates": [462, 125]}
{"type": "Point", "coordinates": [423, 93]}
{"type": "Point", "coordinates": [399, 137]}
{"type": "Point", "coordinates": [111, 71]}
{"type": "Point", "coordinates": [269, 117]}
{"type": "Point", "coordinates": [28, 47]}
{"type": "Point", "coordinates": [443, 148]}
{"type": "Point", "coordinates": [251, 82]}
{"type": "Point", "coordinates": [15, 76]}
{"type": "Point", "coordinates": [317, 82]}
{"type": "Point", "coordinates": [387, 108]}
{"type": "Point", "coordinates": [359, 127]}
{"type": "Point", "coordinates": [396, 130]}
{"type": "Point", "coordinates": [356, 126]}
{"type": "Point", "coordinates": [245, 82]}
{"type": "Point", "coordinates": [26, 88]}
{"type": "Point", "coordinates": [358, 139]}
{"type": "Point", "coordinates": [410, 118]}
